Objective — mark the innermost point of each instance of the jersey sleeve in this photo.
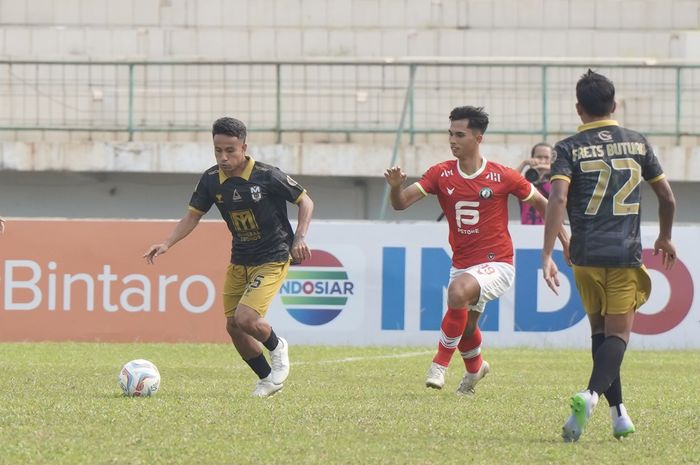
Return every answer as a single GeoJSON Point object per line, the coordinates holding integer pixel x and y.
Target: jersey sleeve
{"type": "Point", "coordinates": [284, 186]}
{"type": "Point", "coordinates": [201, 200]}
{"type": "Point", "coordinates": [428, 183]}
{"type": "Point", "coordinates": [562, 167]}
{"type": "Point", "coordinates": [651, 168]}
{"type": "Point", "coordinates": [519, 186]}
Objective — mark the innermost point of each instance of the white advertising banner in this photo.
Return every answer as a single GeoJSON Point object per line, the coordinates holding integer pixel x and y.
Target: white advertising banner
{"type": "Point", "coordinates": [390, 287]}
{"type": "Point", "coordinates": [368, 283]}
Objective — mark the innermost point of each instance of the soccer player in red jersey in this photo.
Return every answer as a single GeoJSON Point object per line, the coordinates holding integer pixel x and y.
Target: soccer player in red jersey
{"type": "Point", "coordinates": [473, 193]}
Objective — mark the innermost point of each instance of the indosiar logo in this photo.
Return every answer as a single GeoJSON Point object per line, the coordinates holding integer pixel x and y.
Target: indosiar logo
{"type": "Point", "coordinates": [316, 291]}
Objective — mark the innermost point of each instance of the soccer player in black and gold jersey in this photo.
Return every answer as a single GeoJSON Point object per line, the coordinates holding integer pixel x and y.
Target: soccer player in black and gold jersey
{"type": "Point", "coordinates": [252, 199]}
{"type": "Point", "coordinates": [596, 176]}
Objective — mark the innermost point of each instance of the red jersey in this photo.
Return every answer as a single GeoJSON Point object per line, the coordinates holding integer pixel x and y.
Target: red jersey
{"type": "Point", "coordinates": [476, 208]}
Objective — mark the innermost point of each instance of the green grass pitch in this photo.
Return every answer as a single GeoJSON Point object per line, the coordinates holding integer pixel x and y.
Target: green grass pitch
{"type": "Point", "coordinates": [60, 404]}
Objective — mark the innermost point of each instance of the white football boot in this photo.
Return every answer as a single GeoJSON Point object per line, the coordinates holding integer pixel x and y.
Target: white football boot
{"type": "Point", "coordinates": [582, 405]}
{"type": "Point", "coordinates": [279, 360]}
{"type": "Point", "coordinates": [266, 388]}
{"type": "Point", "coordinates": [621, 424]}
{"type": "Point", "coordinates": [436, 376]}
{"type": "Point", "coordinates": [469, 380]}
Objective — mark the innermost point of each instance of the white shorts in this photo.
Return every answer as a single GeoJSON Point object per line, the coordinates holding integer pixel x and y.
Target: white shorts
{"type": "Point", "coordinates": [494, 278]}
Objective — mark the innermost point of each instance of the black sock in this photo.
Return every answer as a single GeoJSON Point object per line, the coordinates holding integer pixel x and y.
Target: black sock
{"type": "Point", "coordinates": [614, 392]}
{"type": "Point", "coordinates": [606, 364]}
{"type": "Point", "coordinates": [272, 341]}
{"type": "Point", "coordinates": [260, 366]}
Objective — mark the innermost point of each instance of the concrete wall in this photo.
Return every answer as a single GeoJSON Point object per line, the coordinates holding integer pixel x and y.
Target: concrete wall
{"type": "Point", "coordinates": [282, 29]}
{"type": "Point", "coordinates": [74, 174]}
{"type": "Point", "coordinates": [327, 160]}
{"type": "Point", "coordinates": [98, 96]}
{"type": "Point", "coordinates": [344, 183]}
{"type": "Point", "coordinates": [62, 194]}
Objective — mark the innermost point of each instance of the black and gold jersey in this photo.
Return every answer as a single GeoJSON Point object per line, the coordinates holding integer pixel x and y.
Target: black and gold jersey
{"type": "Point", "coordinates": [254, 207]}
{"type": "Point", "coordinates": [604, 164]}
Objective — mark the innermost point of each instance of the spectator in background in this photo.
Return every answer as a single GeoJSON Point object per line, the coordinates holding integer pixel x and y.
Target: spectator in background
{"type": "Point", "coordinates": [536, 170]}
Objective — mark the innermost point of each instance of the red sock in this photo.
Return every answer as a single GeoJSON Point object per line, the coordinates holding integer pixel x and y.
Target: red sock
{"type": "Point", "coordinates": [470, 348]}
{"type": "Point", "coordinates": [451, 329]}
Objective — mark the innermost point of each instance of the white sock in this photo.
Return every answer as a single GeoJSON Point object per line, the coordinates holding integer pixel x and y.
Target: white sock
{"type": "Point", "coordinates": [594, 397]}
{"type": "Point", "coordinates": [613, 412]}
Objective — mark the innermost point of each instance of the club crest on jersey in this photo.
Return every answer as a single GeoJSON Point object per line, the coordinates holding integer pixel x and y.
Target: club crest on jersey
{"type": "Point", "coordinates": [236, 196]}
{"type": "Point", "coordinates": [491, 255]}
{"type": "Point", "coordinates": [219, 198]}
{"type": "Point", "coordinates": [255, 193]}
{"type": "Point", "coordinates": [486, 193]}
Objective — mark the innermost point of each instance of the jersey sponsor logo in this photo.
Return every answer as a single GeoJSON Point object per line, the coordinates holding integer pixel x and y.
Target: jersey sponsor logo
{"type": "Point", "coordinates": [486, 192]}
{"type": "Point", "coordinates": [317, 290]}
{"type": "Point", "coordinates": [495, 177]}
{"type": "Point", "coordinates": [291, 181]}
{"type": "Point", "coordinates": [245, 225]}
{"type": "Point", "coordinates": [605, 136]}
{"type": "Point", "coordinates": [255, 193]}
{"type": "Point", "coordinates": [446, 173]}
{"type": "Point", "coordinates": [236, 196]}
{"type": "Point", "coordinates": [450, 190]}
{"type": "Point", "coordinates": [467, 215]}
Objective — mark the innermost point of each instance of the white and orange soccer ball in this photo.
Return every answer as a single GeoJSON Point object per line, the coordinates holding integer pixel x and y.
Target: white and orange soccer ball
{"type": "Point", "coordinates": [139, 378]}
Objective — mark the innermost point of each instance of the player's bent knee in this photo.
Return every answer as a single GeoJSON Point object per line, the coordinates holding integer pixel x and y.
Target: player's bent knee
{"type": "Point", "coordinates": [457, 296]}
{"type": "Point", "coordinates": [231, 328]}
{"type": "Point", "coordinates": [243, 322]}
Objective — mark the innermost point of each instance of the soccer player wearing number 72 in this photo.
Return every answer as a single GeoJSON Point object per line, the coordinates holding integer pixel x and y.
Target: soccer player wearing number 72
{"type": "Point", "coordinates": [596, 176]}
{"type": "Point", "coordinates": [473, 193]}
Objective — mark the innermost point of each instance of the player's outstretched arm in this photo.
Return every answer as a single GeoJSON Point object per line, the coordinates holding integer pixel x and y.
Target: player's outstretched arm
{"type": "Point", "coordinates": [300, 249]}
{"type": "Point", "coordinates": [185, 226]}
{"type": "Point", "coordinates": [401, 198]}
{"type": "Point", "coordinates": [667, 209]}
{"type": "Point", "coordinates": [553, 220]}
{"type": "Point", "coordinates": [540, 203]}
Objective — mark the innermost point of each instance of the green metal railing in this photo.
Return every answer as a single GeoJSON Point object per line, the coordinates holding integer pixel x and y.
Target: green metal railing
{"type": "Point", "coordinates": [338, 96]}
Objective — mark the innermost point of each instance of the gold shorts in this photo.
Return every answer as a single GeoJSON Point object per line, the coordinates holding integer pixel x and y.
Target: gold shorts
{"type": "Point", "coordinates": [613, 291]}
{"type": "Point", "coordinates": [253, 286]}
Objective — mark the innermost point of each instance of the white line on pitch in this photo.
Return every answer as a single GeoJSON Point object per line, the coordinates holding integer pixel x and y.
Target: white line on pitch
{"type": "Point", "coordinates": [361, 359]}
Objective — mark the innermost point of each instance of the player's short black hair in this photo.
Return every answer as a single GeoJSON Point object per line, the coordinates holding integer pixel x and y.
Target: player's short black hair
{"type": "Point", "coordinates": [539, 144]}
{"type": "Point", "coordinates": [478, 118]}
{"type": "Point", "coordinates": [229, 127]}
{"type": "Point", "coordinates": [595, 93]}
